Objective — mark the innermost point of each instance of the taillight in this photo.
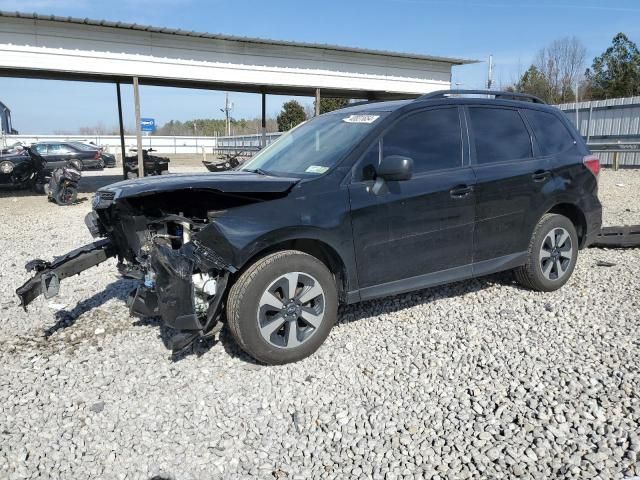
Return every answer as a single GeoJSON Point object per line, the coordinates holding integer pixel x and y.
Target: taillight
{"type": "Point", "coordinates": [592, 163]}
{"type": "Point", "coordinates": [97, 156]}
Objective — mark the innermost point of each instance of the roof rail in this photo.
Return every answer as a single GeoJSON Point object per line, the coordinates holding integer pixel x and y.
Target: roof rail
{"type": "Point", "coordinates": [495, 93]}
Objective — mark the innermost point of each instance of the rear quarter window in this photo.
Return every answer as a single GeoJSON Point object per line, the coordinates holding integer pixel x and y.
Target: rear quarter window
{"type": "Point", "coordinates": [551, 133]}
{"type": "Point", "coordinates": [500, 135]}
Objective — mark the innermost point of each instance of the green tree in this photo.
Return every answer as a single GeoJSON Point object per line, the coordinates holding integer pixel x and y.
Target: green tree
{"type": "Point", "coordinates": [533, 82]}
{"type": "Point", "coordinates": [615, 73]}
{"type": "Point", "coordinates": [291, 115]}
{"type": "Point", "coordinates": [556, 70]}
{"type": "Point", "coordinates": [330, 104]}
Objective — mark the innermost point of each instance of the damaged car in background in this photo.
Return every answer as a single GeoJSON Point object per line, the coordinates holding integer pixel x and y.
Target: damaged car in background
{"type": "Point", "coordinates": [369, 201]}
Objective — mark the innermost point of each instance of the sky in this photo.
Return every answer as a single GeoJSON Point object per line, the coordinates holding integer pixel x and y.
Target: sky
{"type": "Point", "coordinates": [512, 30]}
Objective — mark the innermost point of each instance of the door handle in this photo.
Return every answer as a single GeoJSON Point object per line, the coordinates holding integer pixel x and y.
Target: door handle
{"type": "Point", "coordinates": [461, 191]}
{"type": "Point", "coordinates": [540, 175]}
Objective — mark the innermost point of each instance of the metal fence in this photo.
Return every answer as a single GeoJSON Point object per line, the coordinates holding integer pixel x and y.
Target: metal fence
{"type": "Point", "coordinates": [611, 128]}
{"type": "Point", "coordinates": [162, 144]}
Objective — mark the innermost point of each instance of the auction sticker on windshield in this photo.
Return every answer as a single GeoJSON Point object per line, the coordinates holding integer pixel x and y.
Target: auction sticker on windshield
{"type": "Point", "coordinates": [316, 169]}
{"type": "Point", "coordinates": [361, 118]}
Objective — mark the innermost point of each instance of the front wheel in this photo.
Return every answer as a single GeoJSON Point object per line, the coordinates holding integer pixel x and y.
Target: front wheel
{"type": "Point", "coordinates": [282, 308]}
{"type": "Point", "coordinates": [552, 255]}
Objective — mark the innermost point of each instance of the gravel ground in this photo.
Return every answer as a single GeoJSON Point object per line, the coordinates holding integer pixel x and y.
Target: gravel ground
{"type": "Point", "coordinates": [475, 379]}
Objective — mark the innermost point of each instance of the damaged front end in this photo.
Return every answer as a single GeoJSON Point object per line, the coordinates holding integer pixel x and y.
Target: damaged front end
{"type": "Point", "coordinates": [184, 286]}
{"type": "Point", "coordinates": [167, 241]}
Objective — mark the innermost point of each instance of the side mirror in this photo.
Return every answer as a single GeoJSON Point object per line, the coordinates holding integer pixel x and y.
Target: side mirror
{"type": "Point", "coordinates": [395, 167]}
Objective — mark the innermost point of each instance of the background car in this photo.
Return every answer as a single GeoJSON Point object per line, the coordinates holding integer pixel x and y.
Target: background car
{"type": "Point", "coordinates": [60, 154]}
{"type": "Point", "coordinates": [108, 158]}
{"type": "Point", "coordinates": [16, 168]}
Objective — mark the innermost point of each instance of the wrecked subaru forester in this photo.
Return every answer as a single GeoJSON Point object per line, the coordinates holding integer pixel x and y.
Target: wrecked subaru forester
{"type": "Point", "coordinates": [372, 200]}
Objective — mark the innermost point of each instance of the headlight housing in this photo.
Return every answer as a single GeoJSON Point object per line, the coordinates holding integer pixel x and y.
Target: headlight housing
{"type": "Point", "coordinates": [6, 167]}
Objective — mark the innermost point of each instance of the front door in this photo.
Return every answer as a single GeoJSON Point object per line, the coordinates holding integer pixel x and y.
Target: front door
{"type": "Point", "coordinates": [415, 232]}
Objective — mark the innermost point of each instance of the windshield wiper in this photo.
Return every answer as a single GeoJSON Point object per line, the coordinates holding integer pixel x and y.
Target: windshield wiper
{"type": "Point", "coordinates": [259, 171]}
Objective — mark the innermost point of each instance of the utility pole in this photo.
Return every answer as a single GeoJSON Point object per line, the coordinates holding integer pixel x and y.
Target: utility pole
{"type": "Point", "coordinates": [227, 113]}
{"type": "Point", "coordinates": [490, 75]}
{"type": "Point", "coordinates": [577, 91]}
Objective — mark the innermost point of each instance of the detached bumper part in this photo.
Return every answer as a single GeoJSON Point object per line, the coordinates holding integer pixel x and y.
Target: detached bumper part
{"type": "Point", "coordinates": [49, 274]}
{"type": "Point", "coordinates": [627, 236]}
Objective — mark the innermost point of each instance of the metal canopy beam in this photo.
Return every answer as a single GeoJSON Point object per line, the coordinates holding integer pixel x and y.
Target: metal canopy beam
{"type": "Point", "coordinates": [87, 50]}
{"type": "Point", "coordinates": [199, 85]}
{"type": "Point", "coordinates": [263, 141]}
{"type": "Point", "coordinates": [136, 102]}
{"type": "Point", "coordinates": [121, 125]}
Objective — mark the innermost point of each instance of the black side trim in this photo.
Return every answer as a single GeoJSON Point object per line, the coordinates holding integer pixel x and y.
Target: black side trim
{"type": "Point", "coordinates": [417, 282]}
{"type": "Point", "coordinates": [442, 277]}
{"type": "Point", "coordinates": [506, 262]}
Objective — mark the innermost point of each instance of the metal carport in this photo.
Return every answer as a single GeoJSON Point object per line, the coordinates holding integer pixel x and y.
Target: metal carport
{"type": "Point", "coordinates": [66, 48]}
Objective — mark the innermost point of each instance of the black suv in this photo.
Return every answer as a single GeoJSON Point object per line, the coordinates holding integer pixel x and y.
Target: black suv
{"type": "Point", "coordinates": [372, 200]}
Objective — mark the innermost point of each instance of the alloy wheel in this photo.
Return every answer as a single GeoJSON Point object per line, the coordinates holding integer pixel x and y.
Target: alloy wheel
{"type": "Point", "coordinates": [556, 254]}
{"type": "Point", "coordinates": [291, 310]}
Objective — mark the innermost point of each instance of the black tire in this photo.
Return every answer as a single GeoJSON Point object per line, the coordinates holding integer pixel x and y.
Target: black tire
{"type": "Point", "coordinates": [531, 274]}
{"type": "Point", "coordinates": [67, 196]}
{"type": "Point", "coordinates": [243, 305]}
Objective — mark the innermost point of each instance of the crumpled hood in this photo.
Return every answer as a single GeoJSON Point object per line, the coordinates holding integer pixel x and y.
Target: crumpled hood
{"type": "Point", "coordinates": [229, 182]}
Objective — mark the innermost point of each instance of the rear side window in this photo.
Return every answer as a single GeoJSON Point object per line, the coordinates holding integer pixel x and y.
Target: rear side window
{"type": "Point", "coordinates": [431, 138]}
{"type": "Point", "coordinates": [500, 135]}
{"type": "Point", "coordinates": [551, 134]}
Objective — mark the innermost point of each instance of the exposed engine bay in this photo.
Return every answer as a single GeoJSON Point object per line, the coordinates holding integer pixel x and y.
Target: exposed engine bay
{"type": "Point", "coordinates": [168, 241]}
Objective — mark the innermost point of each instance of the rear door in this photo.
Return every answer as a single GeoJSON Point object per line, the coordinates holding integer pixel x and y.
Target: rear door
{"type": "Point", "coordinates": [419, 226]}
{"type": "Point", "coordinates": [57, 155]}
{"type": "Point", "coordinates": [511, 178]}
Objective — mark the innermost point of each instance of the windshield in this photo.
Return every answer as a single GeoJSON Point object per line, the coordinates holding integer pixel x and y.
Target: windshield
{"type": "Point", "coordinates": [315, 146]}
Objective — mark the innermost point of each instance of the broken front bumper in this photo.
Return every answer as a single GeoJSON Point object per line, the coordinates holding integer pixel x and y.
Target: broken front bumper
{"type": "Point", "coordinates": [48, 275]}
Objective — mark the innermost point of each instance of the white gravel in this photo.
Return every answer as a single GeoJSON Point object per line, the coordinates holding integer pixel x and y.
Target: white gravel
{"type": "Point", "coordinates": [476, 379]}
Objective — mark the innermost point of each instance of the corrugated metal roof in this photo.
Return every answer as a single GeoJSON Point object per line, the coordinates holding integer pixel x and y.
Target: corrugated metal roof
{"type": "Point", "coordinates": [215, 36]}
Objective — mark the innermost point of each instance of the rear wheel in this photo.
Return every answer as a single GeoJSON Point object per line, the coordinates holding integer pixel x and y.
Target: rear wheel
{"type": "Point", "coordinates": [66, 196]}
{"type": "Point", "coordinates": [552, 255]}
{"type": "Point", "coordinates": [282, 308]}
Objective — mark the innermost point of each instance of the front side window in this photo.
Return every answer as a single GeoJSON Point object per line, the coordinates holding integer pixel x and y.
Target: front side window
{"type": "Point", "coordinates": [40, 149]}
{"type": "Point", "coordinates": [500, 135]}
{"type": "Point", "coordinates": [551, 134]}
{"type": "Point", "coordinates": [431, 138]}
{"type": "Point", "coordinates": [314, 147]}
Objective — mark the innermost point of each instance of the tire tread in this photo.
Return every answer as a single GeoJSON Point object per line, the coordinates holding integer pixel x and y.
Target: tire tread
{"type": "Point", "coordinates": [525, 274]}
{"type": "Point", "coordinates": [239, 288]}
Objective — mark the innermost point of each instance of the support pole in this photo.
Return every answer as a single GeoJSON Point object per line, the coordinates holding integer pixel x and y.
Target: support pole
{"type": "Point", "coordinates": [317, 102]}
{"type": "Point", "coordinates": [121, 125]}
{"type": "Point", "coordinates": [136, 101]}
{"type": "Point", "coordinates": [589, 121]}
{"type": "Point", "coordinates": [263, 140]}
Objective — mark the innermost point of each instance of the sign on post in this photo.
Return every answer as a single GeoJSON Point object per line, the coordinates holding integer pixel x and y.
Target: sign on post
{"type": "Point", "coordinates": [148, 124]}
